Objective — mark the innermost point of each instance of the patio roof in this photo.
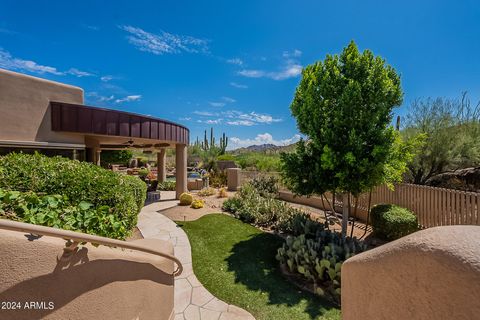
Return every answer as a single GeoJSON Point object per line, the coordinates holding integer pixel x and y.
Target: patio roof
{"type": "Point", "coordinates": [116, 128]}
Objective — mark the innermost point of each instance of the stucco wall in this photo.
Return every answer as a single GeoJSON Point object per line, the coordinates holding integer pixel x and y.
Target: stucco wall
{"type": "Point", "coordinates": [431, 274]}
{"type": "Point", "coordinates": [96, 283]}
{"type": "Point", "coordinates": [25, 111]}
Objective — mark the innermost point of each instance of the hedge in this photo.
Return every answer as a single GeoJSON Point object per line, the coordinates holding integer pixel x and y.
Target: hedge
{"type": "Point", "coordinates": [392, 222]}
{"type": "Point", "coordinates": [76, 182]}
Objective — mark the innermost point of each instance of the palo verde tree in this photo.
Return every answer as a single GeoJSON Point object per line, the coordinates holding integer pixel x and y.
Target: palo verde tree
{"type": "Point", "coordinates": [343, 105]}
{"type": "Point", "coordinates": [452, 130]}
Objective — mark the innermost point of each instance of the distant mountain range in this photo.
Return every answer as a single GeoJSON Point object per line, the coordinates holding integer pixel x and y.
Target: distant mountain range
{"type": "Point", "coordinates": [264, 148]}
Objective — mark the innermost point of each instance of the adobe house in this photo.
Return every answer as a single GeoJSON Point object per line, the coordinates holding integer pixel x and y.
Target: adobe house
{"type": "Point", "coordinates": [48, 116]}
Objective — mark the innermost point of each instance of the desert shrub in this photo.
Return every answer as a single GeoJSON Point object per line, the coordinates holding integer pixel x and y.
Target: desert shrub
{"type": "Point", "coordinates": [226, 157]}
{"type": "Point", "coordinates": [222, 193]}
{"type": "Point", "coordinates": [218, 178]}
{"type": "Point", "coordinates": [138, 189]}
{"type": "Point", "coordinates": [76, 182]}
{"type": "Point", "coordinates": [266, 186]}
{"type": "Point", "coordinates": [186, 199]}
{"type": "Point", "coordinates": [205, 192]}
{"type": "Point", "coordinates": [250, 207]}
{"type": "Point", "coordinates": [56, 211]}
{"type": "Point", "coordinates": [197, 204]}
{"type": "Point", "coordinates": [320, 259]}
{"type": "Point", "coordinates": [167, 186]}
{"type": "Point", "coordinates": [392, 222]}
{"type": "Point", "coordinates": [259, 161]}
{"type": "Point", "coordinates": [232, 204]}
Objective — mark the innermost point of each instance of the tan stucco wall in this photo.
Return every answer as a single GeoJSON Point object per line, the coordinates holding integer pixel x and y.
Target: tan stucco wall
{"type": "Point", "coordinates": [25, 111]}
{"type": "Point", "coordinates": [431, 274]}
{"type": "Point", "coordinates": [96, 283]}
{"type": "Point", "coordinates": [233, 179]}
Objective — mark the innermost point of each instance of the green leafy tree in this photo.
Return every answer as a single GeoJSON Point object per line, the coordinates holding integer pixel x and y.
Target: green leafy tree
{"type": "Point", "coordinates": [121, 157]}
{"type": "Point", "coordinates": [343, 105]}
{"type": "Point", "coordinates": [452, 131]}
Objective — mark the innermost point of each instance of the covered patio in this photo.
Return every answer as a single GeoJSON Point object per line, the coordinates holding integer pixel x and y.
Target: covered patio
{"type": "Point", "coordinates": [106, 129]}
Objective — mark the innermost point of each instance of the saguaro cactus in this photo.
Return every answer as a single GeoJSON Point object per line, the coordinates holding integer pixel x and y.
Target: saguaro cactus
{"type": "Point", "coordinates": [211, 144]}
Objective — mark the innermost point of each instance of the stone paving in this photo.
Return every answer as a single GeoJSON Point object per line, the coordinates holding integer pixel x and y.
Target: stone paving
{"type": "Point", "coordinates": [192, 300]}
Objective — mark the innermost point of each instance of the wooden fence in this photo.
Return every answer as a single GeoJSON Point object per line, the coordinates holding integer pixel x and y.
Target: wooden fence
{"type": "Point", "coordinates": [433, 206]}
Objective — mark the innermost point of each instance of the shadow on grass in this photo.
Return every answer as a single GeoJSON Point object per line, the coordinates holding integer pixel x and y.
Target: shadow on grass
{"type": "Point", "coordinates": [254, 265]}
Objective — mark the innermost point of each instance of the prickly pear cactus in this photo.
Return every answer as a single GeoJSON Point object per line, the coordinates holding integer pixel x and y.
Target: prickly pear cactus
{"type": "Point", "coordinates": [319, 259]}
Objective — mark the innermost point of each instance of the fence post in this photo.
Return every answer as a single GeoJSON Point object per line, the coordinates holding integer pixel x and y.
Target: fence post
{"type": "Point", "coordinates": [233, 178]}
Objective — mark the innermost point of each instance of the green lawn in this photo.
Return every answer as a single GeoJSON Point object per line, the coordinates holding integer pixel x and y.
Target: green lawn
{"type": "Point", "coordinates": [236, 262]}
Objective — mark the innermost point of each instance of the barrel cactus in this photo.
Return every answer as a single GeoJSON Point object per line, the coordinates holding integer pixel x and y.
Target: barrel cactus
{"type": "Point", "coordinates": [197, 204]}
{"type": "Point", "coordinates": [186, 199]}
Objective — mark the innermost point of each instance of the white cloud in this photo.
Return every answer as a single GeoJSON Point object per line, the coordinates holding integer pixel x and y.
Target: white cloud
{"type": "Point", "coordinates": [129, 98]}
{"type": "Point", "coordinates": [7, 61]}
{"type": "Point", "coordinates": [186, 119]}
{"type": "Point", "coordinates": [164, 42]}
{"type": "Point", "coordinates": [211, 121]}
{"type": "Point", "coordinates": [229, 100]}
{"type": "Point", "coordinates": [236, 61]}
{"type": "Point", "coordinates": [290, 68]}
{"type": "Point", "coordinates": [254, 117]}
{"type": "Point", "coordinates": [238, 85]}
{"type": "Point", "coordinates": [205, 113]}
{"type": "Point", "coordinates": [250, 73]}
{"type": "Point", "coordinates": [91, 27]}
{"type": "Point", "coordinates": [11, 63]}
{"type": "Point", "coordinates": [79, 73]}
{"type": "Point", "coordinates": [217, 104]}
{"type": "Point", "coordinates": [94, 96]}
{"type": "Point", "coordinates": [236, 118]}
{"type": "Point", "coordinates": [264, 138]}
{"type": "Point", "coordinates": [246, 123]}
{"type": "Point", "coordinates": [106, 78]}
{"type": "Point", "coordinates": [295, 53]}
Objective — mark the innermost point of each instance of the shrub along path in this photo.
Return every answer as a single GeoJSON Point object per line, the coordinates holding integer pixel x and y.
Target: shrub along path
{"type": "Point", "coordinates": [236, 262]}
{"type": "Point", "coordinates": [192, 300]}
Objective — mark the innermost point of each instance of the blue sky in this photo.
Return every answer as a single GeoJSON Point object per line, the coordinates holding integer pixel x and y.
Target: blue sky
{"type": "Point", "coordinates": [234, 65]}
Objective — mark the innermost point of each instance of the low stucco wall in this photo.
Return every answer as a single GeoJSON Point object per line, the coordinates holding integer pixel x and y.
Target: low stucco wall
{"type": "Point", "coordinates": [25, 108]}
{"type": "Point", "coordinates": [233, 179]}
{"type": "Point", "coordinates": [96, 283]}
{"type": "Point", "coordinates": [196, 184]}
{"type": "Point", "coordinates": [431, 274]}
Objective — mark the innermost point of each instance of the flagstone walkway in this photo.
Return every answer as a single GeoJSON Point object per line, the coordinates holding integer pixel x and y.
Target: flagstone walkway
{"type": "Point", "coordinates": [192, 300]}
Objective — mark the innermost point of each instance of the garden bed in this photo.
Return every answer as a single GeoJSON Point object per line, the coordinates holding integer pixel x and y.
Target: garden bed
{"type": "Point", "coordinates": [236, 262]}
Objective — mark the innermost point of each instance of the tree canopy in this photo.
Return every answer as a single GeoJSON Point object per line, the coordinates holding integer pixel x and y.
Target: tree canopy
{"type": "Point", "coordinates": [343, 105]}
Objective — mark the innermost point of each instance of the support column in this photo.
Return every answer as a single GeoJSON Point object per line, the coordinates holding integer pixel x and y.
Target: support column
{"type": "Point", "coordinates": [97, 156]}
{"type": "Point", "coordinates": [161, 173]}
{"type": "Point", "coordinates": [181, 169]}
{"type": "Point", "coordinates": [75, 154]}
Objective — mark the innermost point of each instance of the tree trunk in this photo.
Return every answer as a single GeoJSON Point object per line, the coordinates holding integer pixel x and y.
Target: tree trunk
{"type": "Point", "coordinates": [345, 206]}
